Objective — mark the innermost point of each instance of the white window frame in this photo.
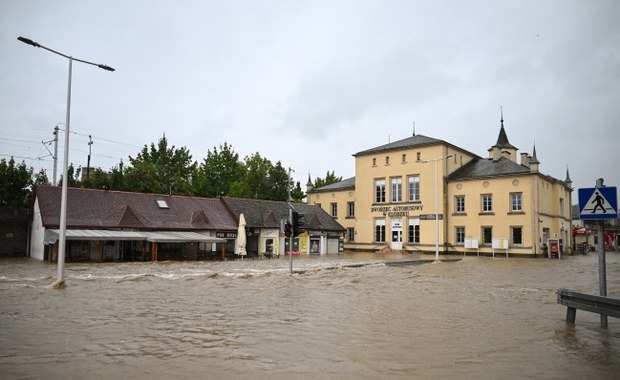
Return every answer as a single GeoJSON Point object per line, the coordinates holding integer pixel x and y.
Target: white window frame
{"type": "Point", "coordinates": [379, 191]}
{"type": "Point", "coordinates": [459, 204]}
{"type": "Point", "coordinates": [486, 203]}
{"type": "Point", "coordinates": [413, 182]}
{"type": "Point", "coordinates": [397, 189]}
{"type": "Point", "coordinates": [516, 202]}
{"type": "Point", "coordinates": [379, 230]}
{"type": "Point", "coordinates": [413, 231]}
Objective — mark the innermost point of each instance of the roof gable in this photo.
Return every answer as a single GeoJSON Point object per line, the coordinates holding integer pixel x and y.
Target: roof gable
{"type": "Point", "coordinates": [199, 219]}
{"type": "Point", "coordinates": [123, 216]}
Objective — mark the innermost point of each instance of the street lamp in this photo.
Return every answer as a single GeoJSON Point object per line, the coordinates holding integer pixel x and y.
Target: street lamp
{"type": "Point", "coordinates": [435, 161]}
{"type": "Point", "coordinates": [63, 200]}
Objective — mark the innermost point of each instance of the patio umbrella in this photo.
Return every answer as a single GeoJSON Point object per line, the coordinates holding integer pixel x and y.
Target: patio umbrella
{"type": "Point", "coordinates": [241, 238]}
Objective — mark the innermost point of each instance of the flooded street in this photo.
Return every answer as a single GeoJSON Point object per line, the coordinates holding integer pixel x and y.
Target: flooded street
{"type": "Point", "coordinates": [475, 318]}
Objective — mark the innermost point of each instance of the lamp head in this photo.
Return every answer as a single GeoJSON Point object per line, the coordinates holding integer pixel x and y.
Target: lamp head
{"type": "Point", "coordinates": [28, 41]}
{"type": "Point", "coordinates": [106, 67]}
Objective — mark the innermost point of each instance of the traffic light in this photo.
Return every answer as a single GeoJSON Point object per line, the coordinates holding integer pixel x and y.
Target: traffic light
{"type": "Point", "coordinates": [298, 224]}
{"type": "Point", "coordinates": [287, 229]}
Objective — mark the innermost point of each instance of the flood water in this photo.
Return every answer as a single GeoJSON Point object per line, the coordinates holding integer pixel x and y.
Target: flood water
{"type": "Point", "coordinates": [476, 318]}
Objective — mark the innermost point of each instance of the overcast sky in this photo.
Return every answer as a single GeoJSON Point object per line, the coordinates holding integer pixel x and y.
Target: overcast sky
{"type": "Point", "coordinates": [309, 83]}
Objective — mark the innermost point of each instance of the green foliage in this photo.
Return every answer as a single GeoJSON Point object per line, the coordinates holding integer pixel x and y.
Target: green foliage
{"type": "Point", "coordinates": [262, 180]}
{"type": "Point", "coordinates": [15, 183]}
{"type": "Point", "coordinates": [255, 180]}
{"type": "Point", "coordinates": [98, 179]}
{"type": "Point", "coordinates": [279, 183]}
{"type": "Point", "coordinates": [297, 194]}
{"type": "Point", "coordinates": [218, 172]}
{"type": "Point", "coordinates": [73, 175]}
{"type": "Point", "coordinates": [330, 178]}
{"type": "Point", "coordinates": [161, 169]}
{"type": "Point", "coordinates": [40, 178]}
{"type": "Point", "coordinates": [116, 178]}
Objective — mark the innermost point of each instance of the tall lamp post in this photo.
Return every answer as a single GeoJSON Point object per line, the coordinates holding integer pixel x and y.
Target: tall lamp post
{"type": "Point", "coordinates": [435, 161]}
{"type": "Point", "coordinates": [63, 200]}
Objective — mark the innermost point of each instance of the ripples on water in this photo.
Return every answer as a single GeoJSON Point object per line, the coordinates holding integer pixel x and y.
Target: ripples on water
{"type": "Point", "coordinates": [479, 317]}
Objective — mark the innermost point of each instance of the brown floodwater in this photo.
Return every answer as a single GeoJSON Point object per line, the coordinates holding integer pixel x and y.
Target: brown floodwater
{"type": "Point", "coordinates": [476, 318]}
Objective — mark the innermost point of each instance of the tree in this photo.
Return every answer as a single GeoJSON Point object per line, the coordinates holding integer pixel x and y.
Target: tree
{"type": "Point", "coordinates": [15, 184]}
{"type": "Point", "coordinates": [161, 169]}
{"type": "Point", "coordinates": [116, 178]}
{"type": "Point", "coordinates": [297, 194]}
{"type": "Point", "coordinates": [279, 184]}
{"type": "Point", "coordinates": [329, 179]}
{"type": "Point", "coordinates": [40, 178]}
{"type": "Point", "coordinates": [218, 172]}
{"type": "Point", "coordinates": [73, 175]}
{"type": "Point", "coordinates": [254, 182]}
{"type": "Point", "coordinates": [98, 179]}
{"type": "Point", "coordinates": [261, 180]}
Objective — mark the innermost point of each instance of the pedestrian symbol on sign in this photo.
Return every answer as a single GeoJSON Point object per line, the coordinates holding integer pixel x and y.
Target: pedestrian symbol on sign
{"type": "Point", "coordinates": [600, 202]}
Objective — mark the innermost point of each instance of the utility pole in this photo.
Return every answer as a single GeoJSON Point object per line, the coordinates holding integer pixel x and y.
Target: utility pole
{"type": "Point", "coordinates": [55, 152]}
{"type": "Point", "coordinates": [290, 220]}
{"type": "Point", "coordinates": [90, 143]}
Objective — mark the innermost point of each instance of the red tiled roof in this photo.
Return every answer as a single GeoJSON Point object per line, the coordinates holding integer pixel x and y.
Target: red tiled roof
{"type": "Point", "coordinates": [92, 208]}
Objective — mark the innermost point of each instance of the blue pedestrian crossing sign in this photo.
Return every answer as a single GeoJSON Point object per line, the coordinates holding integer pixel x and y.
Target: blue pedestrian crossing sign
{"type": "Point", "coordinates": [598, 203]}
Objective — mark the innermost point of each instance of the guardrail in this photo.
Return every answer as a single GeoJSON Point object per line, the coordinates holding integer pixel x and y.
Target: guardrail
{"type": "Point", "coordinates": [595, 304]}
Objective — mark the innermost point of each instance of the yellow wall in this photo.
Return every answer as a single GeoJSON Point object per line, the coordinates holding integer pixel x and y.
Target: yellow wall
{"type": "Point", "coordinates": [403, 164]}
{"type": "Point", "coordinates": [341, 198]}
{"type": "Point", "coordinates": [501, 219]}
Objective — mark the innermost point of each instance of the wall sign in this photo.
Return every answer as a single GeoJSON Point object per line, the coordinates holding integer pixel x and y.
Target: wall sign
{"type": "Point", "coordinates": [226, 234]}
{"type": "Point", "coordinates": [396, 211]}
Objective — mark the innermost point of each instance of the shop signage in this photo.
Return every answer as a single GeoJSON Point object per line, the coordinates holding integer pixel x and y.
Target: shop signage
{"type": "Point", "coordinates": [226, 234]}
{"type": "Point", "coordinates": [430, 217]}
{"type": "Point", "coordinates": [397, 225]}
{"type": "Point", "coordinates": [396, 211]}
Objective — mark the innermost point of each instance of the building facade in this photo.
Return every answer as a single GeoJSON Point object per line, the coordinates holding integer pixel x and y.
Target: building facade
{"type": "Point", "coordinates": [107, 225]}
{"type": "Point", "coordinates": [422, 194]}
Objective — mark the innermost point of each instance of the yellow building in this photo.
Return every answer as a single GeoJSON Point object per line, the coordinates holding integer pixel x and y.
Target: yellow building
{"type": "Point", "coordinates": [422, 194]}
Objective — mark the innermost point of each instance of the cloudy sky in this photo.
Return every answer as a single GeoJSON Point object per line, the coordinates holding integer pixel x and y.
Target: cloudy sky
{"type": "Point", "coordinates": [309, 83]}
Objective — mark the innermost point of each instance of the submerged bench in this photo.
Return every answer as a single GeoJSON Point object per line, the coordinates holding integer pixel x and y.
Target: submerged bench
{"type": "Point", "coordinates": [595, 304]}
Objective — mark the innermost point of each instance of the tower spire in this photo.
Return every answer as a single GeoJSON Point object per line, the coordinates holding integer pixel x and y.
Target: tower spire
{"type": "Point", "coordinates": [534, 159]}
{"type": "Point", "coordinates": [502, 139]}
{"type": "Point", "coordinates": [568, 180]}
{"type": "Point", "coordinates": [501, 110]}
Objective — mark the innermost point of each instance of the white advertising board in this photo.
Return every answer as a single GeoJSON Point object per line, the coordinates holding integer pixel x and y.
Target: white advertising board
{"type": "Point", "coordinates": [471, 243]}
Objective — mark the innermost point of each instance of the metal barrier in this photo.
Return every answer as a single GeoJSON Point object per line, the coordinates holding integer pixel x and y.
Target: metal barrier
{"type": "Point", "coordinates": [595, 304]}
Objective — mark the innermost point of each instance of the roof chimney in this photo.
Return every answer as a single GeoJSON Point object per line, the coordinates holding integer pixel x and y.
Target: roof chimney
{"type": "Point", "coordinates": [525, 159]}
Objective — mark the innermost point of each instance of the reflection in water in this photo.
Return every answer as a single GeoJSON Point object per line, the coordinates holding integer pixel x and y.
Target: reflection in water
{"type": "Point", "coordinates": [478, 317]}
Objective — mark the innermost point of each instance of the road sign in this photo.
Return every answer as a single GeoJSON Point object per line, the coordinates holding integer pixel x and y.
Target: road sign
{"type": "Point", "coordinates": [598, 203]}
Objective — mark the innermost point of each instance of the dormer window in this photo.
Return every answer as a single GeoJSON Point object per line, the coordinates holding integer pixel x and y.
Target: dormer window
{"type": "Point", "coordinates": [162, 204]}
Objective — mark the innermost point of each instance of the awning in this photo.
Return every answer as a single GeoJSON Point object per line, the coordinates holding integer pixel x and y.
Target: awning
{"type": "Point", "coordinates": [181, 237]}
{"type": "Point", "coordinates": [51, 236]}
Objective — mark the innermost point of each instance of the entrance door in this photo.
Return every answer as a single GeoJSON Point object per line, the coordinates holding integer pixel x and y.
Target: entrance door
{"type": "Point", "coordinates": [397, 240]}
{"type": "Point", "coordinates": [397, 234]}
